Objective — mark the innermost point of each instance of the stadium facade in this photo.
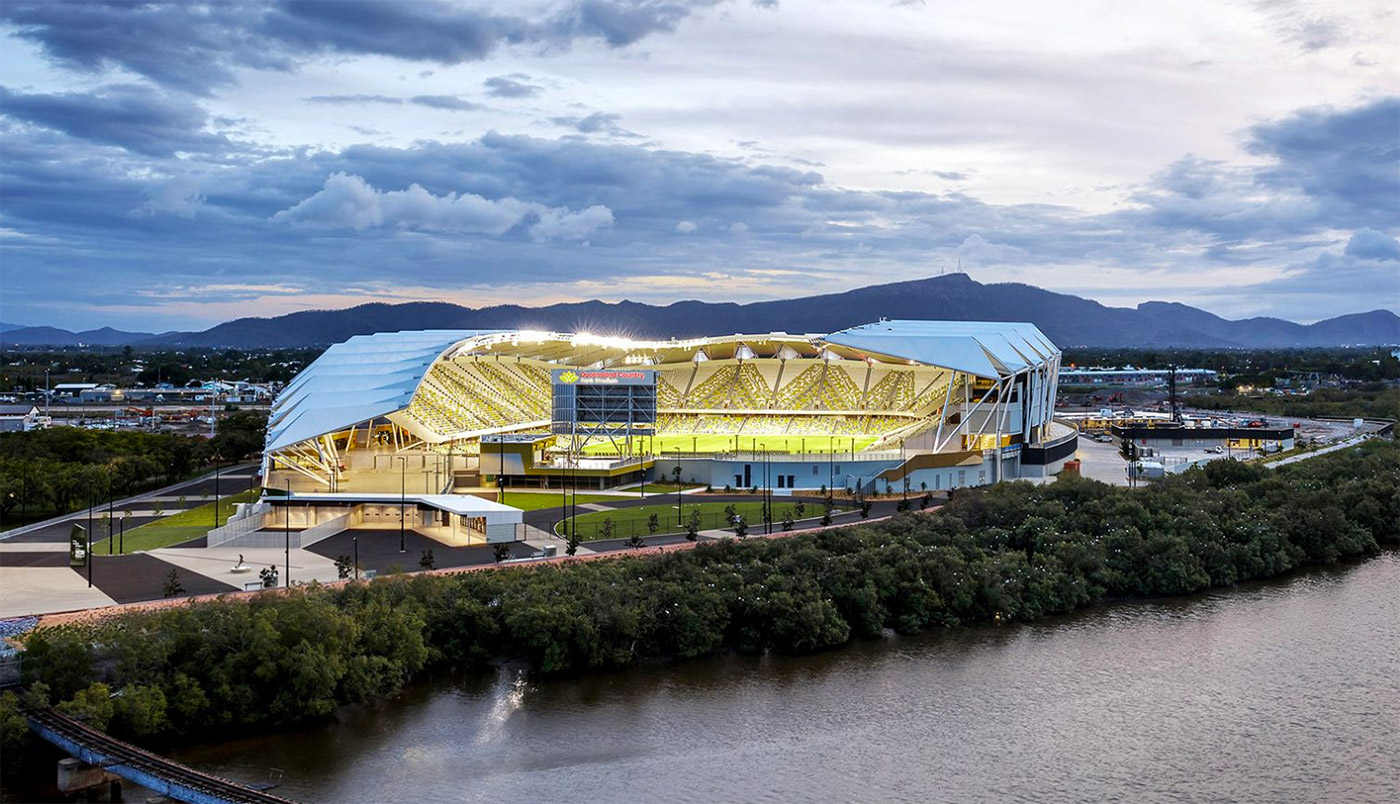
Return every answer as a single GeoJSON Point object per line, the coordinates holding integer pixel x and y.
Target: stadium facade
{"type": "Point", "coordinates": [932, 404]}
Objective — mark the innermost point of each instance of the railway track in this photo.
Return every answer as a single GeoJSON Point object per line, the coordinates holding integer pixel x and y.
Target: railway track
{"type": "Point", "coordinates": [165, 776]}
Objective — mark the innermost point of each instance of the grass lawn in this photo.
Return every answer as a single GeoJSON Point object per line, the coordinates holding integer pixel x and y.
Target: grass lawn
{"type": "Point", "coordinates": [189, 524]}
{"type": "Point", "coordinates": [535, 500]}
{"type": "Point", "coordinates": [660, 445]}
{"type": "Point", "coordinates": [627, 521]}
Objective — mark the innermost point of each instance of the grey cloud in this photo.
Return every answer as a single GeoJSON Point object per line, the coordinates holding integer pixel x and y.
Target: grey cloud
{"type": "Point", "coordinates": [136, 118]}
{"type": "Point", "coordinates": [1299, 23]}
{"type": "Point", "coordinates": [623, 23]}
{"type": "Point", "coordinates": [506, 86]}
{"type": "Point", "coordinates": [1345, 159]}
{"type": "Point", "coordinates": [1368, 244]}
{"type": "Point", "coordinates": [421, 31]}
{"type": "Point", "coordinates": [506, 203]}
{"type": "Point", "coordinates": [598, 122]}
{"type": "Point", "coordinates": [348, 100]}
{"type": "Point", "coordinates": [177, 44]}
{"type": "Point", "coordinates": [197, 47]}
{"type": "Point", "coordinates": [450, 103]}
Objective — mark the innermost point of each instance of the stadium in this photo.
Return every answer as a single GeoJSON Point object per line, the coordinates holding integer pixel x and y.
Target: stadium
{"type": "Point", "coordinates": [931, 404]}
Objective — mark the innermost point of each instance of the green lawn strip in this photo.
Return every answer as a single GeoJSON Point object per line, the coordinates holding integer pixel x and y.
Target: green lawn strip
{"type": "Point", "coordinates": [180, 527]}
{"type": "Point", "coordinates": [627, 521]}
{"type": "Point", "coordinates": [535, 500]}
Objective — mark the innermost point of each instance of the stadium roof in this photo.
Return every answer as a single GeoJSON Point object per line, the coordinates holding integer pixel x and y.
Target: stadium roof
{"type": "Point", "coordinates": [986, 348]}
{"type": "Point", "coordinates": [355, 381]}
{"type": "Point", "coordinates": [369, 376]}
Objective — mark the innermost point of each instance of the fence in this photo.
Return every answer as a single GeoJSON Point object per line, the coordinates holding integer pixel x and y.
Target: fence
{"type": "Point", "coordinates": [249, 520]}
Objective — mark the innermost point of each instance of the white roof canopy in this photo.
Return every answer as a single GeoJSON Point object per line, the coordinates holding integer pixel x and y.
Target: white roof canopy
{"type": "Point", "coordinates": [986, 348]}
{"type": "Point", "coordinates": [363, 378]}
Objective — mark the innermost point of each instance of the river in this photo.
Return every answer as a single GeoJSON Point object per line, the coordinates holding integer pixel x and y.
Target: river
{"type": "Point", "coordinates": [1274, 692]}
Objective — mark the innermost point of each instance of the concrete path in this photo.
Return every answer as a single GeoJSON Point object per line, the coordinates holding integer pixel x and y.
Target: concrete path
{"type": "Point", "coordinates": [1303, 456]}
{"type": "Point", "coordinates": [217, 563]}
{"type": "Point", "coordinates": [44, 590]}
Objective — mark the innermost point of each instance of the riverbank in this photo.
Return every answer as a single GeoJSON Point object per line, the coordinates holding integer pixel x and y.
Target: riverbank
{"type": "Point", "coordinates": [1264, 692]}
{"type": "Point", "coordinates": [1009, 553]}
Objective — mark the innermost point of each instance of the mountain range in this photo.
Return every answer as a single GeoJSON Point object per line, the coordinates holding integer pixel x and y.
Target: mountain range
{"type": "Point", "coordinates": [1068, 320]}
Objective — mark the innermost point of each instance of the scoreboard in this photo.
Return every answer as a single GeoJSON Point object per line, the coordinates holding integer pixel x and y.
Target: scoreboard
{"type": "Point", "coordinates": [618, 402]}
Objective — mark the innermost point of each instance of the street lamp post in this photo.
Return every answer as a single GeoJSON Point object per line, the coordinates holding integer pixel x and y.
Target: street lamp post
{"type": "Point", "coordinates": [403, 499]}
{"type": "Point", "coordinates": [678, 488]}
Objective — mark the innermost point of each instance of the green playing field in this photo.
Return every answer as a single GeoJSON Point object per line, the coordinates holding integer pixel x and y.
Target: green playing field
{"type": "Point", "coordinates": [661, 445]}
{"type": "Point", "coordinates": [633, 521]}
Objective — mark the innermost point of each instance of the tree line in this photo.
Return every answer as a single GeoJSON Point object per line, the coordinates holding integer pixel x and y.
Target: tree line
{"type": "Point", "coordinates": [59, 469]}
{"type": "Point", "coordinates": [1258, 367]}
{"type": "Point", "coordinates": [1011, 552]}
{"type": "Point", "coordinates": [1370, 401]}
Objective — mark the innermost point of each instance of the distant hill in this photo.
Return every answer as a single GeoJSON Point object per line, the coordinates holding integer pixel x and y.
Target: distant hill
{"type": "Point", "coordinates": [53, 336]}
{"type": "Point", "coordinates": [1068, 320]}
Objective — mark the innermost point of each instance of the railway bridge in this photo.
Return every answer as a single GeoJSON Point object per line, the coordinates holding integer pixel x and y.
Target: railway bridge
{"type": "Point", "coordinates": [164, 776]}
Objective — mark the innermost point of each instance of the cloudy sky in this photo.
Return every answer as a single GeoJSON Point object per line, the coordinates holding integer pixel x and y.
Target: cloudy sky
{"type": "Point", "coordinates": [173, 165]}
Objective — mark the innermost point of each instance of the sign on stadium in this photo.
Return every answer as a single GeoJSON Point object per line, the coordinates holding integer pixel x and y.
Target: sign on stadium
{"type": "Point", "coordinates": [604, 377]}
{"type": "Point", "coordinates": [604, 402]}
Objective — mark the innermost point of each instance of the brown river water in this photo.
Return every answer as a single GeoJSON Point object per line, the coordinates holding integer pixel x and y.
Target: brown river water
{"type": "Point", "coordinates": [1286, 691]}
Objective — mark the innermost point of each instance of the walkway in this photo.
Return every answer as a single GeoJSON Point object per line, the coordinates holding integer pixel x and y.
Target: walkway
{"type": "Point", "coordinates": [1303, 456]}
{"type": "Point", "coordinates": [164, 776]}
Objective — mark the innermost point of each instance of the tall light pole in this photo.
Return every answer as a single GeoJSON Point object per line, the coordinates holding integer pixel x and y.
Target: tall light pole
{"type": "Point", "coordinates": [904, 467]}
{"type": "Point", "coordinates": [287, 532]}
{"type": "Point", "coordinates": [403, 499]}
{"type": "Point", "coordinates": [767, 496]}
{"type": "Point", "coordinates": [678, 487]}
{"type": "Point", "coordinates": [216, 489]}
{"type": "Point", "coordinates": [500, 468]}
{"type": "Point", "coordinates": [110, 540]}
{"type": "Point", "coordinates": [91, 504]}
